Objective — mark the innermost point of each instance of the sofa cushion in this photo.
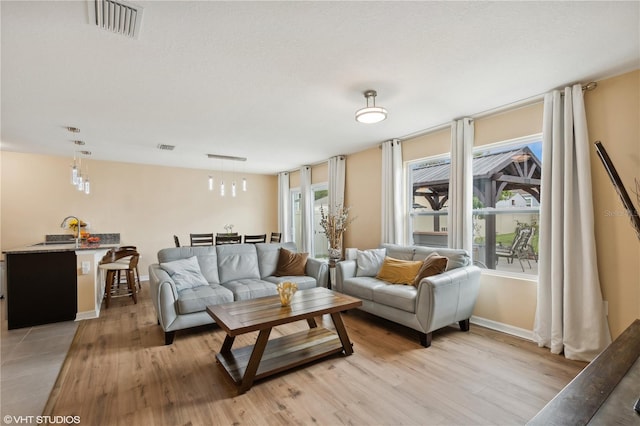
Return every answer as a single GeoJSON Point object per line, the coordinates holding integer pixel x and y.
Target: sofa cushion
{"type": "Point", "coordinates": [291, 263]}
{"type": "Point", "coordinates": [268, 254]}
{"type": "Point", "coordinates": [362, 287]}
{"type": "Point", "coordinates": [207, 259]}
{"type": "Point", "coordinates": [185, 273]}
{"type": "Point", "coordinates": [397, 296]}
{"type": "Point", "coordinates": [368, 262]}
{"type": "Point", "coordinates": [303, 282]}
{"type": "Point", "coordinates": [237, 261]}
{"type": "Point", "coordinates": [198, 298]}
{"type": "Point", "coordinates": [433, 264]}
{"type": "Point", "coordinates": [457, 257]}
{"type": "Point", "coordinates": [250, 288]}
{"type": "Point", "coordinates": [396, 271]}
{"type": "Point", "coordinates": [399, 252]}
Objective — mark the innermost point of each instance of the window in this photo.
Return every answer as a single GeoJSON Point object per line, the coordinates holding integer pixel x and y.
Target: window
{"type": "Point", "coordinates": [321, 198]}
{"type": "Point", "coordinates": [428, 194]}
{"type": "Point", "coordinates": [506, 204]}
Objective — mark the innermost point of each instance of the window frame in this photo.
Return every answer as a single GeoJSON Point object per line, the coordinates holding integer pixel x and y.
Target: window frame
{"type": "Point", "coordinates": [409, 214]}
{"type": "Point", "coordinates": [315, 187]}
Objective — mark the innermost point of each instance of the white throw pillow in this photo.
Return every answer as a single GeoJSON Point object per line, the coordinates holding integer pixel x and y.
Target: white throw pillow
{"type": "Point", "coordinates": [185, 273]}
{"type": "Point", "coordinates": [369, 262]}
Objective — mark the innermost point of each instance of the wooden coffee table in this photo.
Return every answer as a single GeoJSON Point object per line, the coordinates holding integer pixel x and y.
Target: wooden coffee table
{"type": "Point", "coordinates": [267, 357]}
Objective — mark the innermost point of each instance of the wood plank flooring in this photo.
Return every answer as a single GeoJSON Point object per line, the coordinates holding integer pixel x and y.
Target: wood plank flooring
{"type": "Point", "coordinates": [119, 372]}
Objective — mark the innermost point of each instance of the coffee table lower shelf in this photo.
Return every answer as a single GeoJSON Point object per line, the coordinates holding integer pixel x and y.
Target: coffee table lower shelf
{"type": "Point", "coordinates": [282, 353]}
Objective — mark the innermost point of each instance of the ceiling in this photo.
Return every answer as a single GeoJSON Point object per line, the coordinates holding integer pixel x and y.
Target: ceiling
{"type": "Point", "coordinates": [279, 82]}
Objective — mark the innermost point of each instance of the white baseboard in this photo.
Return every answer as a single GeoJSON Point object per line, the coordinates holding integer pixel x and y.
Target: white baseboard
{"type": "Point", "coordinates": [85, 315]}
{"type": "Point", "coordinates": [504, 328]}
{"type": "Point", "coordinates": [144, 277]}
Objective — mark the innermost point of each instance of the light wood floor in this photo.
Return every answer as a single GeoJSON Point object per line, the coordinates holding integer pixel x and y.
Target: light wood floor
{"type": "Point", "coordinates": [118, 372]}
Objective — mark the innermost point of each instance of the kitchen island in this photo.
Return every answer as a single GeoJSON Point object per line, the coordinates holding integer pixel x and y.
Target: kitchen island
{"type": "Point", "coordinates": [54, 281]}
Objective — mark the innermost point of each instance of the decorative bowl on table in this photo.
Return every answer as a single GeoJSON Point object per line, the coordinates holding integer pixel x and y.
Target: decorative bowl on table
{"type": "Point", "coordinates": [286, 290]}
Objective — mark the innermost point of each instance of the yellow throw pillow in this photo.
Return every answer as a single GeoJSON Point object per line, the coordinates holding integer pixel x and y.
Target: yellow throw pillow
{"type": "Point", "coordinates": [396, 271]}
{"type": "Point", "coordinates": [433, 264]}
{"type": "Point", "coordinates": [290, 263]}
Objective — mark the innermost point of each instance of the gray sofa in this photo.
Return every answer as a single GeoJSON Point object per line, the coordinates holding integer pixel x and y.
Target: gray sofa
{"type": "Point", "coordinates": [232, 272]}
{"type": "Point", "coordinates": [437, 301]}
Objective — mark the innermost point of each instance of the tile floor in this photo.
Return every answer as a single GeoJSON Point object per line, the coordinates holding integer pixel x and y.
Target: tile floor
{"type": "Point", "coordinates": [30, 360]}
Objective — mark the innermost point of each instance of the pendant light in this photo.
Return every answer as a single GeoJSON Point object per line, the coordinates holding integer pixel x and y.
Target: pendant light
{"type": "Point", "coordinates": [221, 186]}
{"type": "Point", "coordinates": [221, 177]}
{"type": "Point", "coordinates": [371, 113]}
{"type": "Point", "coordinates": [79, 179]}
{"type": "Point", "coordinates": [74, 171]}
{"type": "Point", "coordinates": [87, 184]}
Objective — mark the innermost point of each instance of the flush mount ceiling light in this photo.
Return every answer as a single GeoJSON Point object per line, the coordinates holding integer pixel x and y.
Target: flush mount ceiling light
{"type": "Point", "coordinates": [371, 113]}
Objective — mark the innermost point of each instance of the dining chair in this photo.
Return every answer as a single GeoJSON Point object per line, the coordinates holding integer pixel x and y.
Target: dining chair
{"type": "Point", "coordinates": [201, 239]}
{"type": "Point", "coordinates": [276, 237]}
{"type": "Point", "coordinates": [228, 239]}
{"type": "Point", "coordinates": [253, 239]}
{"type": "Point", "coordinates": [176, 240]}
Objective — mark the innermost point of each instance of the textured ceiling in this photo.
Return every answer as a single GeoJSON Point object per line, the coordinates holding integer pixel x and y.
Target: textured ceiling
{"type": "Point", "coordinates": [279, 82]}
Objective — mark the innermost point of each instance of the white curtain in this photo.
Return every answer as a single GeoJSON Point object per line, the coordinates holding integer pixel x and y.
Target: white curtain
{"type": "Point", "coordinates": [392, 218]}
{"type": "Point", "coordinates": [284, 209]}
{"type": "Point", "coordinates": [336, 182]}
{"type": "Point", "coordinates": [460, 225]}
{"type": "Point", "coordinates": [570, 315]}
{"type": "Point", "coordinates": [306, 211]}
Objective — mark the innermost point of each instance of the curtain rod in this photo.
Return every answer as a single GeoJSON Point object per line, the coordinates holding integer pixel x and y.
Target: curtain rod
{"type": "Point", "coordinates": [341, 156]}
{"type": "Point", "coordinates": [513, 105]}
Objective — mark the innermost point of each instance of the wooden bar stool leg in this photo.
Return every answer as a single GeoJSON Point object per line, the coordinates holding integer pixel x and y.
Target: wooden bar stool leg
{"type": "Point", "coordinates": [138, 278]}
{"type": "Point", "coordinates": [131, 280]}
{"type": "Point", "coordinates": [111, 275]}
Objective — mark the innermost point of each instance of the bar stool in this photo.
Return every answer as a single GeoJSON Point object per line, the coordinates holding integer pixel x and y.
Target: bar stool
{"type": "Point", "coordinates": [126, 261]}
{"type": "Point", "coordinates": [112, 265]}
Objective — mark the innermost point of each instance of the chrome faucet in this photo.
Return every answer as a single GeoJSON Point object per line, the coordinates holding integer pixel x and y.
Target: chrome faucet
{"type": "Point", "coordinates": [64, 226]}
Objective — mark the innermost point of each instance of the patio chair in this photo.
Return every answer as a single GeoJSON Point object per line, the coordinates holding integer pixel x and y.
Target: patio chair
{"type": "Point", "coordinates": [520, 248]}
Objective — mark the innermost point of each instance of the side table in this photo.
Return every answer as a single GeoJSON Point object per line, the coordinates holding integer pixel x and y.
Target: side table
{"type": "Point", "coordinates": [332, 274]}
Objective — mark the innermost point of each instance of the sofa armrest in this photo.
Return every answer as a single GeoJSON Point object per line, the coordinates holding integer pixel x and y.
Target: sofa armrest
{"type": "Point", "coordinates": [318, 269]}
{"type": "Point", "coordinates": [446, 298]}
{"type": "Point", "coordinates": [164, 295]}
{"type": "Point", "coordinates": [344, 269]}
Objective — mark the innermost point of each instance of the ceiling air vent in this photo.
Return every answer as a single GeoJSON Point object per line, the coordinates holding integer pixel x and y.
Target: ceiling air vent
{"type": "Point", "coordinates": [166, 147]}
{"type": "Point", "coordinates": [116, 16]}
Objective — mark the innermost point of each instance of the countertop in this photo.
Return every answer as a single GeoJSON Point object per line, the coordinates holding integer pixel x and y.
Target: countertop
{"type": "Point", "coordinates": [58, 247]}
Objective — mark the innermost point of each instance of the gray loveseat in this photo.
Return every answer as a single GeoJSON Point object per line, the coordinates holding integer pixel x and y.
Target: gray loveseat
{"type": "Point", "coordinates": [437, 301]}
{"type": "Point", "coordinates": [232, 272]}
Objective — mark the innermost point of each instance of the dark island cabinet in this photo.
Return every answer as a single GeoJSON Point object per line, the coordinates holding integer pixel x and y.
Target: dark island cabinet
{"type": "Point", "coordinates": [41, 288]}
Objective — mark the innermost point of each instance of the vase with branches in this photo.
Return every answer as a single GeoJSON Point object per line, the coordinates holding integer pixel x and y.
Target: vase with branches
{"type": "Point", "coordinates": [335, 223]}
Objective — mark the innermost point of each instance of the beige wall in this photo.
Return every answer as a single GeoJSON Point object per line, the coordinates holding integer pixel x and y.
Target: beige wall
{"type": "Point", "coordinates": [613, 117]}
{"type": "Point", "coordinates": [146, 204]}
{"type": "Point", "coordinates": [362, 194]}
{"type": "Point", "coordinates": [613, 113]}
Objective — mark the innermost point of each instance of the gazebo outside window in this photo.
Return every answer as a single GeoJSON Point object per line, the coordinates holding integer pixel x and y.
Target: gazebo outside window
{"type": "Point", "coordinates": [506, 199]}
